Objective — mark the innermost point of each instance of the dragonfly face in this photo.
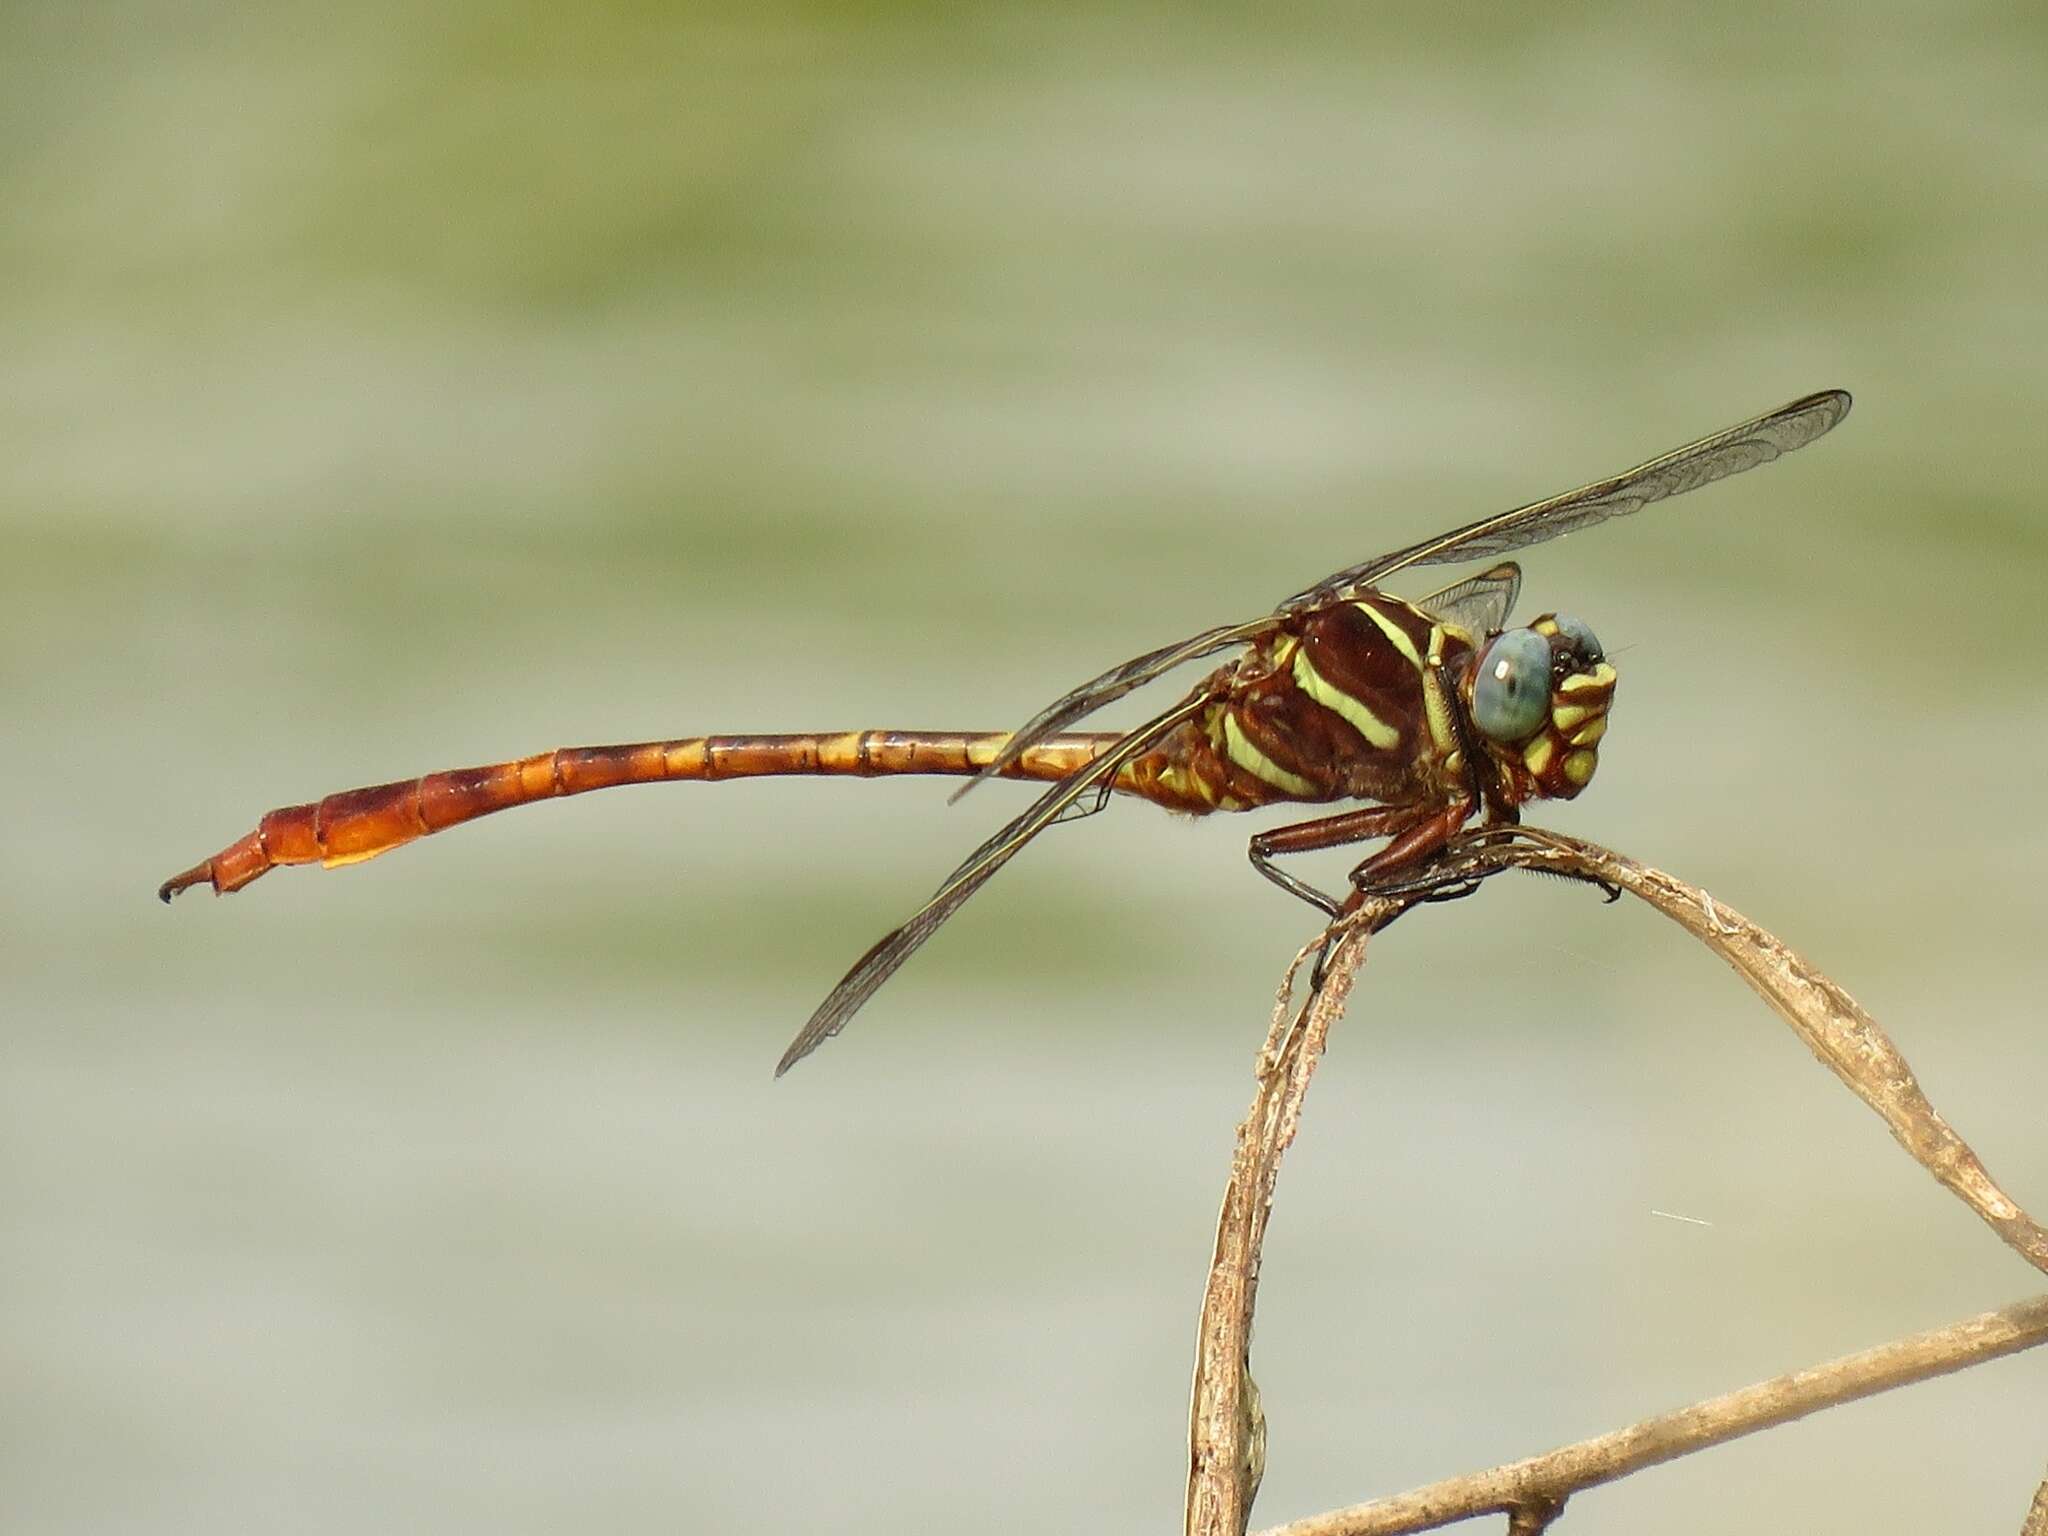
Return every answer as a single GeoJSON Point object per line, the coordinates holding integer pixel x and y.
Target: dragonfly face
{"type": "Point", "coordinates": [1539, 698]}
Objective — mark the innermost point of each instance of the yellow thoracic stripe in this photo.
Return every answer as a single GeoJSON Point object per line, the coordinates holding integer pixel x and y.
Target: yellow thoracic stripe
{"type": "Point", "coordinates": [1369, 725]}
{"type": "Point", "coordinates": [1393, 632]}
{"type": "Point", "coordinates": [1242, 752]}
{"type": "Point", "coordinates": [1436, 709]}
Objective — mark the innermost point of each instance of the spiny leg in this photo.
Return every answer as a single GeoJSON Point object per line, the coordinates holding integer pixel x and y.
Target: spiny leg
{"type": "Point", "coordinates": [1449, 872]}
{"type": "Point", "coordinates": [1610, 893]}
{"type": "Point", "coordinates": [1415, 845]}
{"type": "Point", "coordinates": [1401, 869]}
{"type": "Point", "coordinates": [1466, 864]}
{"type": "Point", "coordinates": [1395, 821]}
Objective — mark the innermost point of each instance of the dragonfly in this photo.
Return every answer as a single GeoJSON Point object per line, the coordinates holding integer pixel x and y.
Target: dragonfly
{"type": "Point", "coordinates": [1428, 711]}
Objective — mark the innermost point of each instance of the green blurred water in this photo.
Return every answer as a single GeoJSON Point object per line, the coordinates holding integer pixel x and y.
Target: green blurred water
{"type": "Point", "coordinates": [382, 390]}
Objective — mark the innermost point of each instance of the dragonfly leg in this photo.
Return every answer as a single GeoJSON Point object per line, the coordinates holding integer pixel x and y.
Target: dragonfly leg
{"type": "Point", "coordinates": [1395, 821]}
{"type": "Point", "coordinates": [1414, 845]}
{"type": "Point", "coordinates": [1610, 893]}
{"type": "Point", "coordinates": [1401, 869]}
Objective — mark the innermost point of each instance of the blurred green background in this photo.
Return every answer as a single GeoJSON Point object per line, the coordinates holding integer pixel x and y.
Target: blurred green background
{"type": "Point", "coordinates": [391, 387]}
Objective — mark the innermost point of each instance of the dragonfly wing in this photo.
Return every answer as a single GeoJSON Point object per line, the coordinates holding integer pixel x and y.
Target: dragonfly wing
{"type": "Point", "coordinates": [1755, 442]}
{"type": "Point", "coordinates": [1480, 604]}
{"type": "Point", "coordinates": [881, 962]}
{"type": "Point", "coordinates": [1113, 685]}
{"type": "Point", "coordinates": [1684, 469]}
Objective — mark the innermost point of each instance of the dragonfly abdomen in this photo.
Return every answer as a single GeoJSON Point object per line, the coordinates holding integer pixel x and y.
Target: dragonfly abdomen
{"type": "Point", "coordinates": [359, 824]}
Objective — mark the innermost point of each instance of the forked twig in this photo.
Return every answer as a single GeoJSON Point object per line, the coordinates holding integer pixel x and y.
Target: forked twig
{"type": "Point", "coordinates": [1227, 1428]}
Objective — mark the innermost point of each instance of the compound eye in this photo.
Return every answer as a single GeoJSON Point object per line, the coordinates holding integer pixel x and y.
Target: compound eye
{"type": "Point", "coordinates": [1511, 697]}
{"type": "Point", "coordinates": [1581, 635]}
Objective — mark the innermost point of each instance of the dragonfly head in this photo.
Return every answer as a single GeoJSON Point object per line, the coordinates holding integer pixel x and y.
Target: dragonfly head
{"type": "Point", "coordinates": [1539, 696]}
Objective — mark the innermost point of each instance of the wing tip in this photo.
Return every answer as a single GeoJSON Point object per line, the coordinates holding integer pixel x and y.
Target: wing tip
{"type": "Point", "coordinates": [1839, 401]}
{"type": "Point", "coordinates": [807, 1040]}
{"type": "Point", "coordinates": [1812, 417]}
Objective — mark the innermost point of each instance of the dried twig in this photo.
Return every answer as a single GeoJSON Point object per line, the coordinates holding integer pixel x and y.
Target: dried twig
{"type": "Point", "coordinates": [1831, 1022]}
{"type": "Point", "coordinates": [2037, 1517]}
{"type": "Point", "coordinates": [1227, 1429]}
{"type": "Point", "coordinates": [1546, 1481]}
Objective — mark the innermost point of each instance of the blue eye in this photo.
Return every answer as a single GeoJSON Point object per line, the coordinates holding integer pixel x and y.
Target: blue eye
{"type": "Point", "coordinates": [1511, 697]}
{"type": "Point", "coordinates": [1581, 635]}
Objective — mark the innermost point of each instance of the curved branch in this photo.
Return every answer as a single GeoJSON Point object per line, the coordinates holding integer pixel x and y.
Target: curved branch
{"type": "Point", "coordinates": [1547, 1480]}
{"type": "Point", "coordinates": [1848, 1041]}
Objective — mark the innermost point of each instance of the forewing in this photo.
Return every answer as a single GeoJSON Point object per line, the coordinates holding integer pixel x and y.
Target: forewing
{"type": "Point", "coordinates": [1684, 469]}
{"type": "Point", "coordinates": [1113, 685]}
{"type": "Point", "coordinates": [1769, 436]}
{"type": "Point", "coordinates": [881, 962]}
{"type": "Point", "coordinates": [1478, 604]}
